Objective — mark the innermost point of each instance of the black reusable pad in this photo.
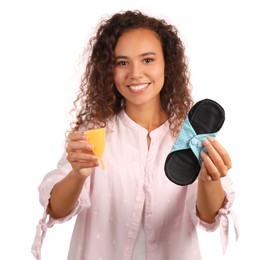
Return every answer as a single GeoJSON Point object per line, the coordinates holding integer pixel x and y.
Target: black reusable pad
{"type": "Point", "coordinates": [181, 166]}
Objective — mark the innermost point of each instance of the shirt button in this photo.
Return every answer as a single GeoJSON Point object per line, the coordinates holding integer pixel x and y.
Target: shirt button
{"type": "Point", "coordinates": [148, 186]}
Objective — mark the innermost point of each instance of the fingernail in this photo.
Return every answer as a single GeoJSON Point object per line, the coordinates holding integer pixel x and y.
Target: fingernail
{"type": "Point", "coordinates": [211, 139]}
{"type": "Point", "coordinates": [205, 141]}
{"type": "Point", "coordinates": [90, 146]}
{"type": "Point", "coordinates": [84, 137]}
{"type": "Point", "coordinates": [202, 154]}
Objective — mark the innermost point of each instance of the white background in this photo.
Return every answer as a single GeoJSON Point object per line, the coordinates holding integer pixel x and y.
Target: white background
{"type": "Point", "coordinates": [40, 47]}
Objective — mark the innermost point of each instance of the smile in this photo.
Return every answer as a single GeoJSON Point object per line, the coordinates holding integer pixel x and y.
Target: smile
{"type": "Point", "coordinates": [139, 88]}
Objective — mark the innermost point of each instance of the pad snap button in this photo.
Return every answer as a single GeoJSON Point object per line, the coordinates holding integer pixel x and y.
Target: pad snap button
{"type": "Point", "coordinates": [194, 141]}
{"type": "Point", "coordinates": [200, 144]}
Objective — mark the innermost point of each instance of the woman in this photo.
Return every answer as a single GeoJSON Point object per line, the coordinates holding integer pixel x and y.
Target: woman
{"type": "Point", "coordinates": [136, 86]}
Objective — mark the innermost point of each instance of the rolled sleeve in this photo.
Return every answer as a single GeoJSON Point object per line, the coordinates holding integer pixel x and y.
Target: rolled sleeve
{"type": "Point", "coordinates": [45, 188]}
{"type": "Point", "coordinates": [221, 220]}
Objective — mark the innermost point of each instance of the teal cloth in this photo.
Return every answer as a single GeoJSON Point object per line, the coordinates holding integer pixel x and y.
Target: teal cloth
{"type": "Point", "coordinates": [189, 139]}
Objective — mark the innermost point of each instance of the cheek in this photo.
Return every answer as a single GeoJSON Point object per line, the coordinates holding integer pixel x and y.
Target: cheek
{"type": "Point", "coordinates": [115, 78]}
{"type": "Point", "coordinates": [158, 74]}
{"type": "Point", "coordinates": [117, 81]}
{"type": "Point", "coordinates": [118, 77]}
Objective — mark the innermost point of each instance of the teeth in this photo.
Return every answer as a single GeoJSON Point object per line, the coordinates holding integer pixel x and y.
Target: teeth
{"type": "Point", "coordinates": [138, 87]}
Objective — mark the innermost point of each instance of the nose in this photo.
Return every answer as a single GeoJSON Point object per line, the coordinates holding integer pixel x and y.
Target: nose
{"type": "Point", "coordinates": [136, 70]}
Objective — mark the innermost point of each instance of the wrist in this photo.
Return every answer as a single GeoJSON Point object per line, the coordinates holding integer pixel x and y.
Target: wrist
{"type": "Point", "coordinates": [76, 175]}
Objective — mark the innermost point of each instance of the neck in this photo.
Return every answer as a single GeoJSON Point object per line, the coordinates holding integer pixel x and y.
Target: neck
{"type": "Point", "coordinates": [148, 116]}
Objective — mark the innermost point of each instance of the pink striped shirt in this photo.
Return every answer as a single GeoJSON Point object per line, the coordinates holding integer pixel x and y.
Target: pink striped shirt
{"type": "Point", "coordinates": [132, 192]}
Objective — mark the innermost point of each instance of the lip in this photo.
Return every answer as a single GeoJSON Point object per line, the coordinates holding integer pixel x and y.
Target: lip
{"type": "Point", "coordinates": [138, 88]}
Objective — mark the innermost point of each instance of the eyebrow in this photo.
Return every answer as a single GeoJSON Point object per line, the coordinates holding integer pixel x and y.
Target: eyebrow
{"type": "Point", "coordinates": [142, 55]}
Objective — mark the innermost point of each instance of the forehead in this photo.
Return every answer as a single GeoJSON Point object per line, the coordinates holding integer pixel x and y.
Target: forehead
{"type": "Point", "coordinates": [138, 40]}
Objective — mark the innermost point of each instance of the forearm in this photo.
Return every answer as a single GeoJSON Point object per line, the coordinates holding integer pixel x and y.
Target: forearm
{"type": "Point", "coordinates": [65, 194]}
{"type": "Point", "coordinates": [210, 198]}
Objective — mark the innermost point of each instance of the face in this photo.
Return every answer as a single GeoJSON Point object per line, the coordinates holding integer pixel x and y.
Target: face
{"type": "Point", "coordinates": [139, 67]}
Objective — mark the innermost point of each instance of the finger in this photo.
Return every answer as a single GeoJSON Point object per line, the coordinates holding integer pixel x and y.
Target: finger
{"type": "Point", "coordinates": [76, 136]}
{"type": "Point", "coordinates": [81, 157]}
{"type": "Point", "coordinates": [77, 166]}
{"type": "Point", "coordinates": [211, 170]}
{"type": "Point", "coordinates": [78, 145]}
{"type": "Point", "coordinates": [204, 173]}
{"type": "Point", "coordinates": [221, 151]}
{"type": "Point", "coordinates": [217, 155]}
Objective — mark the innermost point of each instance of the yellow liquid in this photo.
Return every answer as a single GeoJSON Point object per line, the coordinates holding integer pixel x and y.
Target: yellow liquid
{"type": "Point", "coordinates": [96, 137]}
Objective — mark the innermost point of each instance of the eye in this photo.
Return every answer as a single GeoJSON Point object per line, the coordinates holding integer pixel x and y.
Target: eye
{"type": "Point", "coordinates": [121, 63]}
{"type": "Point", "coordinates": [148, 60]}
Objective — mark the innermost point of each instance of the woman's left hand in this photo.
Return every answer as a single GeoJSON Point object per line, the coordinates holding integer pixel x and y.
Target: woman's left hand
{"type": "Point", "coordinates": [216, 161]}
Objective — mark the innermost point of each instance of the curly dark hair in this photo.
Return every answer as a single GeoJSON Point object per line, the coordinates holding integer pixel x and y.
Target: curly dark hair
{"type": "Point", "coordinates": [98, 100]}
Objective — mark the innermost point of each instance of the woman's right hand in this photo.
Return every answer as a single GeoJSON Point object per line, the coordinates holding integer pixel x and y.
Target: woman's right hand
{"type": "Point", "coordinates": [80, 154]}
